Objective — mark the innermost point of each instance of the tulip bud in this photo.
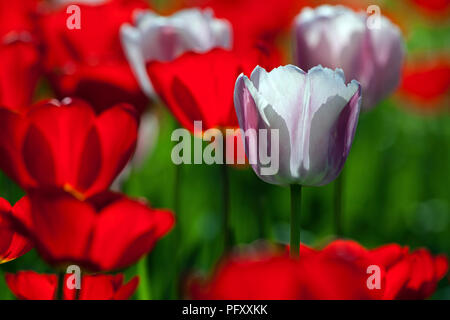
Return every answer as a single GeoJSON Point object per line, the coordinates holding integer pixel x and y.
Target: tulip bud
{"type": "Point", "coordinates": [165, 38]}
{"type": "Point", "coordinates": [315, 114]}
{"type": "Point", "coordinates": [337, 37]}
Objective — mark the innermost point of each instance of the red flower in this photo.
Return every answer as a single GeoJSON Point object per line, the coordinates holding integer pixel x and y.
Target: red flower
{"type": "Point", "coordinates": [19, 53]}
{"type": "Point", "coordinates": [89, 62]}
{"type": "Point", "coordinates": [107, 232]}
{"type": "Point", "coordinates": [67, 146]}
{"type": "Point", "coordinates": [408, 275]}
{"type": "Point", "coordinates": [275, 276]}
{"type": "Point", "coordinates": [434, 6]}
{"type": "Point", "coordinates": [29, 285]}
{"type": "Point", "coordinates": [427, 84]}
{"type": "Point", "coordinates": [339, 271]}
{"type": "Point", "coordinates": [200, 87]}
{"type": "Point", "coordinates": [263, 277]}
{"type": "Point", "coordinates": [12, 244]}
{"type": "Point", "coordinates": [253, 21]}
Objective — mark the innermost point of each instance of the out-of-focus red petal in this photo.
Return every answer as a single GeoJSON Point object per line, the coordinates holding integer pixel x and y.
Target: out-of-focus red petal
{"type": "Point", "coordinates": [12, 243]}
{"type": "Point", "coordinates": [441, 265]}
{"type": "Point", "coordinates": [29, 285]}
{"type": "Point", "coordinates": [426, 84]}
{"type": "Point", "coordinates": [89, 62]}
{"type": "Point", "coordinates": [389, 254]}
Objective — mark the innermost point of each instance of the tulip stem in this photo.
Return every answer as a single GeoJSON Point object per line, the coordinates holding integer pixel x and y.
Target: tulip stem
{"type": "Point", "coordinates": [338, 204]}
{"type": "Point", "coordinates": [178, 236]}
{"type": "Point", "coordinates": [226, 201]}
{"type": "Point", "coordinates": [296, 206]}
{"type": "Point", "coordinates": [60, 289]}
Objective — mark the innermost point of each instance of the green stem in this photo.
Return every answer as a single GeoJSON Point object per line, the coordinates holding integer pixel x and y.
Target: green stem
{"type": "Point", "coordinates": [296, 206]}
{"type": "Point", "coordinates": [228, 242]}
{"type": "Point", "coordinates": [60, 289]}
{"type": "Point", "coordinates": [338, 204]}
{"type": "Point", "coordinates": [178, 236]}
{"type": "Point", "coordinates": [144, 289]}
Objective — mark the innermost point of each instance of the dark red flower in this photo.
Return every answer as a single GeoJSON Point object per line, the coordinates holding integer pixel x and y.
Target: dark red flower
{"type": "Point", "coordinates": [433, 6]}
{"type": "Point", "coordinates": [19, 53]}
{"type": "Point", "coordinates": [104, 233]}
{"type": "Point", "coordinates": [252, 20]}
{"type": "Point", "coordinates": [12, 244]}
{"type": "Point", "coordinates": [262, 277]}
{"type": "Point", "coordinates": [427, 84]}
{"type": "Point", "coordinates": [29, 285]}
{"type": "Point", "coordinates": [67, 145]}
{"type": "Point", "coordinates": [408, 275]}
{"type": "Point", "coordinates": [200, 87]}
{"type": "Point", "coordinates": [271, 275]}
{"type": "Point", "coordinates": [339, 271]}
{"type": "Point", "coordinates": [89, 62]}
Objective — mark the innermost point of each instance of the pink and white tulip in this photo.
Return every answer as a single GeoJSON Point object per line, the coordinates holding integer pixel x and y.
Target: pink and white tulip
{"type": "Point", "coordinates": [369, 49]}
{"type": "Point", "coordinates": [316, 114]}
{"type": "Point", "coordinates": [159, 38]}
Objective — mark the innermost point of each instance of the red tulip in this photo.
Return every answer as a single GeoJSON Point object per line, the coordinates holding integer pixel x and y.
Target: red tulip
{"type": "Point", "coordinates": [433, 6]}
{"type": "Point", "coordinates": [253, 21]}
{"type": "Point", "coordinates": [340, 271]}
{"type": "Point", "coordinates": [408, 275]}
{"type": "Point", "coordinates": [89, 62]}
{"type": "Point", "coordinates": [275, 276]}
{"type": "Point", "coordinates": [29, 285]}
{"type": "Point", "coordinates": [200, 87]}
{"type": "Point", "coordinates": [265, 276]}
{"type": "Point", "coordinates": [19, 53]}
{"type": "Point", "coordinates": [107, 232]}
{"type": "Point", "coordinates": [67, 146]}
{"type": "Point", "coordinates": [427, 84]}
{"type": "Point", "coordinates": [12, 244]}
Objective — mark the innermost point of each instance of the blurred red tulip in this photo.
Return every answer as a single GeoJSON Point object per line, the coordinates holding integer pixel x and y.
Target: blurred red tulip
{"type": "Point", "coordinates": [89, 62]}
{"type": "Point", "coordinates": [67, 146]}
{"type": "Point", "coordinates": [340, 271]}
{"type": "Point", "coordinates": [264, 276]}
{"type": "Point", "coordinates": [19, 53]}
{"type": "Point", "coordinates": [12, 244]}
{"type": "Point", "coordinates": [104, 233]}
{"type": "Point", "coordinates": [29, 285]}
{"type": "Point", "coordinates": [199, 87]}
{"type": "Point", "coordinates": [316, 276]}
{"type": "Point", "coordinates": [408, 275]}
{"type": "Point", "coordinates": [252, 20]}
{"type": "Point", "coordinates": [427, 84]}
{"type": "Point", "coordinates": [434, 6]}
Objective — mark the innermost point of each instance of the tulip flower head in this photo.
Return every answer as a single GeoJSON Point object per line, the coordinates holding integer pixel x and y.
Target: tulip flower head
{"type": "Point", "coordinates": [315, 113]}
{"type": "Point", "coordinates": [158, 38]}
{"type": "Point", "coordinates": [106, 232]}
{"type": "Point", "coordinates": [29, 285]}
{"type": "Point", "coordinates": [67, 145]}
{"type": "Point", "coordinates": [337, 37]}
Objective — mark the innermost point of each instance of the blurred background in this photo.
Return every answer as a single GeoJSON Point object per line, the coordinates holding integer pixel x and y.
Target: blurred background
{"type": "Point", "coordinates": [396, 178]}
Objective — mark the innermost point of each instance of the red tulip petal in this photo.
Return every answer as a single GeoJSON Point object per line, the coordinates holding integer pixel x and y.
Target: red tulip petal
{"type": "Point", "coordinates": [119, 240]}
{"type": "Point", "coordinates": [200, 87]}
{"type": "Point", "coordinates": [29, 285]}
